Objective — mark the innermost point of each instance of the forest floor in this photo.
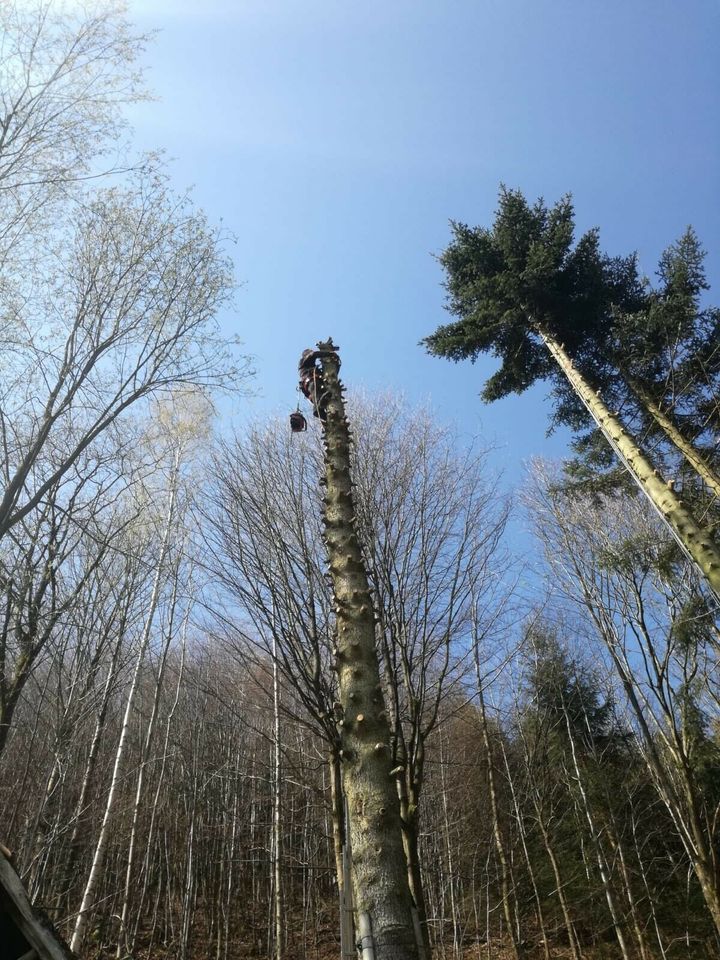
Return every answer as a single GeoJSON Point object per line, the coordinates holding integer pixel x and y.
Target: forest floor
{"type": "Point", "coordinates": [496, 950]}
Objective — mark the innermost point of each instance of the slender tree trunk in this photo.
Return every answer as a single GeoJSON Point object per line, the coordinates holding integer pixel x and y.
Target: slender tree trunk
{"type": "Point", "coordinates": [415, 880]}
{"type": "Point", "coordinates": [99, 858]}
{"type": "Point", "coordinates": [505, 873]}
{"type": "Point", "coordinates": [676, 787]}
{"type": "Point", "coordinates": [528, 859]}
{"type": "Point", "coordinates": [277, 815]}
{"type": "Point", "coordinates": [692, 537]}
{"type": "Point", "coordinates": [379, 867]}
{"type": "Point", "coordinates": [124, 913]}
{"type": "Point", "coordinates": [450, 860]}
{"type": "Point", "coordinates": [569, 925]}
{"type": "Point", "coordinates": [600, 857]}
{"type": "Point", "coordinates": [649, 893]}
{"type": "Point", "coordinates": [160, 781]}
{"type": "Point", "coordinates": [80, 816]}
{"type": "Point", "coordinates": [617, 847]}
{"type": "Point", "coordinates": [699, 464]}
{"type": "Point", "coordinates": [337, 815]}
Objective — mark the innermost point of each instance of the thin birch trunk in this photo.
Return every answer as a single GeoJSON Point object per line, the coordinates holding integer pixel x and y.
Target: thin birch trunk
{"type": "Point", "coordinates": [93, 880]}
{"type": "Point", "coordinates": [448, 851]}
{"type": "Point", "coordinates": [279, 951]}
{"type": "Point", "coordinates": [528, 860]}
{"type": "Point", "coordinates": [505, 873]}
{"type": "Point", "coordinates": [617, 847]}
{"type": "Point", "coordinates": [141, 777]}
{"type": "Point", "coordinates": [79, 818]}
{"type": "Point", "coordinates": [569, 925]}
{"type": "Point", "coordinates": [160, 781]}
{"type": "Point", "coordinates": [599, 850]}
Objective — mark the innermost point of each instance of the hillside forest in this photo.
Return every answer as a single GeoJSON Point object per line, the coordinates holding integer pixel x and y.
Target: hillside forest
{"type": "Point", "coordinates": [179, 777]}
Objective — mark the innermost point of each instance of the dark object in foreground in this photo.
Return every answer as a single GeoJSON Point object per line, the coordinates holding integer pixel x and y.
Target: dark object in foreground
{"type": "Point", "coordinates": [298, 423]}
{"type": "Point", "coordinates": [24, 933]}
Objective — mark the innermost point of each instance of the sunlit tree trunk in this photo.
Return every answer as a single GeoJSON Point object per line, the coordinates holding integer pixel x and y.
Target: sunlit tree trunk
{"type": "Point", "coordinates": [699, 464]}
{"type": "Point", "coordinates": [500, 846]}
{"type": "Point", "coordinates": [123, 939]}
{"type": "Point", "coordinates": [277, 817]}
{"type": "Point", "coordinates": [379, 867]}
{"type": "Point", "coordinates": [150, 840]}
{"type": "Point", "coordinates": [692, 537]}
{"type": "Point", "coordinates": [93, 879]}
{"type": "Point", "coordinates": [600, 857]}
{"type": "Point", "coordinates": [528, 859]}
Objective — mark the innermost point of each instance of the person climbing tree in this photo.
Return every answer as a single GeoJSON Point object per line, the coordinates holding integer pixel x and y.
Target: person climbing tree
{"type": "Point", "coordinates": [311, 384]}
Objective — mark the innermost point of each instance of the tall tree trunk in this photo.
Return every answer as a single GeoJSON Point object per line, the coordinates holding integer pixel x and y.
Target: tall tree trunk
{"type": "Point", "coordinates": [80, 816]}
{"type": "Point", "coordinates": [452, 872]}
{"type": "Point", "coordinates": [595, 835]}
{"type": "Point", "coordinates": [99, 858]}
{"type": "Point", "coordinates": [155, 805]}
{"type": "Point", "coordinates": [505, 872]}
{"type": "Point", "coordinates": [123, 939]}
{"type": "Point", "coordinates": [559, 884]}
{"type": "Point", "coordinates": [519, 817]}
{"type": "Point", "coordinates": [408, 810]}
{"type": "Point", "coordinates": [693, 538]}
{"type": "Point", "coordinates": [673, 781]}
{"type": "Point", "coordinates": [279, 951]}
{"type": "Point", "coordinates": [337, 802]}
{"type": "Point", "coordinates": [699, 464]}
{"type": "Point", "coordinates": [380, 882]}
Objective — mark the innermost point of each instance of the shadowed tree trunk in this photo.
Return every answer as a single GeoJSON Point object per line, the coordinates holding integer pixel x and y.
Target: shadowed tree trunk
{"type": "Point", "coordinates": [380, 882]}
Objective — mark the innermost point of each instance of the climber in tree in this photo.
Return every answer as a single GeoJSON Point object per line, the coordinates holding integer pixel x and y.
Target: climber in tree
{"type": "Point", "coordinates": [311, 382]}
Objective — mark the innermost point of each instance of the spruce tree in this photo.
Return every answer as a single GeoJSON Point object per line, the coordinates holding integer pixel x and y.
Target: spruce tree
{"type": "Point", "coordinates": [547, 307]}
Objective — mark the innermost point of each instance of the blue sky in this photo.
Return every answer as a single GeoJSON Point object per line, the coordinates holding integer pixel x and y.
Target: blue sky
{"type": "Point", "coordinates": [336, 140]}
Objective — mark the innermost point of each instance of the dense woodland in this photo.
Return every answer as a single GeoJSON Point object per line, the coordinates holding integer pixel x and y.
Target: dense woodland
{"type": "Point", "coordinates": [171, 757]}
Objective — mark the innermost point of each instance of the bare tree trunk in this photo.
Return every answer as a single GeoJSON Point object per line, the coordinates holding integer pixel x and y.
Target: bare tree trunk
{"type": "Point", "coordinates": [98, 860]}
{"type": "Point", "coordinates": [450, 861]}
{"type": "Point", "coordinates": [123, 933]}
{"type": "Point", "coordinates": [337, 816]}
{"type": "Point", "coordinates": [160, 780]}
{"type": "Point", "coordinates": [693, 538]}
{"type": "Point", "coordinates": [569, 925]}
{"type": "Point", "coordinates": [699, 464]}
{"type": "Point", "coordinates": [528, 859]}
{"type": "Point", "coordinates": [80, 816]}
{"type": "Point", "coordinates": [505, 872]}
{"type": "Point", "coordinates": [615, 843]}
{"type": "Point", "coordinates": [379, 867]}
{"type": "Point", "coordinates": [600, 857]}
{"type": "Point", "coordinates": [277, 815]}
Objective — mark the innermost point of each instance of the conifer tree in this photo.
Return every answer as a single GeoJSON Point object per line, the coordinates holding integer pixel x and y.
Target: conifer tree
{"type": "Point", "coordinates": [526, 284]}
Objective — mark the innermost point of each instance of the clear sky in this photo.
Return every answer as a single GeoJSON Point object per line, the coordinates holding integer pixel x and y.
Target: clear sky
{"type": "Point", "coordinates": [336, 140]}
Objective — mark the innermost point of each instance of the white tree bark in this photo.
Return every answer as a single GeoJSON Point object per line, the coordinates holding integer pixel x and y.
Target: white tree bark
{"type": "Point", "coordinates": [86, 905]}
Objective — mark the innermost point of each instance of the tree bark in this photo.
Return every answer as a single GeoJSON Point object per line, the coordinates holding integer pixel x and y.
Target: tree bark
{"type": "Point", "coordinates": [380, 882]}
{"type": "Point", "coordinates": [506, 878]}
{"type": "Point", "coordinates": [595, 835]}
{"type": "Point", "coordinates": [279, 944]}
{"type": "Point", "coordinates": [699, 464]}
{"type": "Point", "coordinates": [690, 535]}
{"type": "Point", "coordinates": [93, 879]}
